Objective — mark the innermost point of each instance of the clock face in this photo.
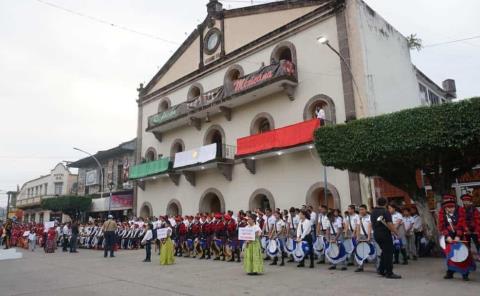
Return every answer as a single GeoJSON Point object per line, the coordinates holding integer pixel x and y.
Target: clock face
{"type": "Point", "coordinates": [212, 41]}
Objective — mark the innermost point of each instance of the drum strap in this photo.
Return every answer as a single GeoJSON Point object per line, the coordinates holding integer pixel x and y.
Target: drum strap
{"type": "Point", "coordinates": [350, 224]}
{"type": "Point", "coordinates": [363, 228]}
{"type": "Point", "coordinates": [333, 229]}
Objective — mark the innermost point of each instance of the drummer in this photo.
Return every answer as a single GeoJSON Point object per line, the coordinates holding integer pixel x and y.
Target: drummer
{"type": "Point", "coordinates": [472, 219]}
{"type": "Point", "coordinates": [279, 233]}
{"type": "Point", "coordinates": [322, 227]}
{"type": "Point", "coordinates": [304, 231]}
{"type": "Point", "coordinates": [351, 221]}
{"type": "Point", "coordinates": [292, 223]}
{"type": "Point", "coordinates": [451, 223]}
{"type": "Point", "coordinates": [335, 233]}
{"type": "Point", "coordinates": [363, 229]}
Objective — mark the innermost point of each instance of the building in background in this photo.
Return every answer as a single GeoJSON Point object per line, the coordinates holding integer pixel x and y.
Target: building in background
{"type": "Point", "coordinates": [59, 182]}
{"type": "Point", "coordinates": [227, 122]}
{"type": "Point", "coordinates": [115, 164]}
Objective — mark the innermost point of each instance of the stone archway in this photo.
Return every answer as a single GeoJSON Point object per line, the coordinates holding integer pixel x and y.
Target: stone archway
{"type": "Point", "coordinates": [316, 196]}
{"type": "Point", "coordinates": [174, 208]}
{"type": "Point", "coordinates": [261, 199]}
{"type": "Point", "coordinates": [146, 210]}
{"type": "Point", "coordinates": [212, 201]}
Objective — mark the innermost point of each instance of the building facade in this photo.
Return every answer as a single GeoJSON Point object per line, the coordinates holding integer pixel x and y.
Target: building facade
{"type": "Point", "coordinates": [60, 181]}
{"type": "Point", "coordinates": [227, 123]}
{"type": "Point", "coordinates": [113, 177]}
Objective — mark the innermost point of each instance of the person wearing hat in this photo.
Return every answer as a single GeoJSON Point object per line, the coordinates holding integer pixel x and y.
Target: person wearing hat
{"type": "Point", "coordinates": [109, 228]}
{"type": "Point", "coordinates": [472, 219]}
{"type": "Point", "coordinates": [219, 237]}
{"type": "Point", "coordinates": [232, 236]}
{"type": "Point", "coordinates": [452, 225]}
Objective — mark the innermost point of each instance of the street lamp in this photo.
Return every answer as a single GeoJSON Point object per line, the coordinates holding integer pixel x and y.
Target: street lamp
{"type": "Point", "coordinates": [99, 167]}
{"type": "Point", "coordinates": [110, 186]}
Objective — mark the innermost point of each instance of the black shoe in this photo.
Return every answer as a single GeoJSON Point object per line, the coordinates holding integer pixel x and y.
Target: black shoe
{"type": "Point", "coordinates": [290, 260]}
{"type": "Point", "coordinates": [359, 269]}
{"type": "Point", "coordinates": [251, 273]}
{"type": "Point", "coordinates": [415, 258]}
{"type": "Point", "coordinates": [405, 263]}
{"type": "Point", "coordinates": [332, 268]}
{"type": "Point", "coordinates": [465, 277]}
{"type": "Point", "coordinates": [311, 266]}
{"type": "Point", "coordinates": [273, 263]}
{"type": "Point", "coordinates": [343, 268]}
{"type": "Point", "coordinates": [321, 262]}
{"type": "Point", "coordinates": [395, 262]}
{"type": "Point", "coordinates": [266, 258]}
{"type": "Point", "coordinates": [448, 276]}
{"type": "Point", "coordinates": [111, 256]}
{"type": "Point", "coordinates": [282, 264]}
{"type": "Point", "coordinates": [301, 265]}
{"type": "Point", "coordinates": [203, 257]}
{"type": "Point", "coordinates": [146, 260]}
{"type": "Point", "coordinates": [381, 273]}
{"type": "Point", "coordinates": [350, 264]}
{"type": "Point", "coordinates": [105, 256]}
{"type": "Point", "coordinates": [231, 260]}
{"type": "Point", "coordinates": [217, 258]}
{"type": "Point", "coordinates": [393, 276]}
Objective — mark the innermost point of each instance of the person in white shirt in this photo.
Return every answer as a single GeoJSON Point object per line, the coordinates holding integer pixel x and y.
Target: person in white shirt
{"type": "Point", "coordinates": [351, 221]}
{"type": "Point", "coordinates": [147, 242]}
{"type": "Point", "coordinates": [417, 228]}
{"type": "Point", "coordinates": [279, 232]}
{"type": "Point", "coordinates": [268, 225]}
{"type": "Point", "coordinates": [409, 221]}
{"type": "Point", "coordinates": [313, 220]}
{"type": "Point", "coordinates": [363, 229]}
{"type": "Point", "coordinates": [335, 233]}
{"type": "Point", "coordinates": [304, 233]}
{"type": "Point", "coordinates": [292, 223]}
{"type": "Point", "coordinates": [65, 237]}
{"type": "Point", "coordinates": [320, 113]}
{"type": "Point", "coordinates": [322, 226]}
{"type": "Point", "coordinates": [398, 222]}
{"type": "Point", "coordinates": [32, 240]}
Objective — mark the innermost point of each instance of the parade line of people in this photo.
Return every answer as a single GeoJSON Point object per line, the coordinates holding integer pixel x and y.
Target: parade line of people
{"type": "Point", "coordinates": [383, 236]}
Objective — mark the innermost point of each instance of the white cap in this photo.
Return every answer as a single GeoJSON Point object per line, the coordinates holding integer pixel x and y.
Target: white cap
{"type": "Point", "coordinates": [110, 217]}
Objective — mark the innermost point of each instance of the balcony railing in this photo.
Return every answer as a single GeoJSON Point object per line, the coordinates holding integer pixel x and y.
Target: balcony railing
{"type": "Point", "coordinates": [204, 154]}
{"type": "Point", "coordinates": [285, 137]}
{"type": "Point", "coordinates": [228, 95]}
{"type": "Point", "coordinates": [149, 168]}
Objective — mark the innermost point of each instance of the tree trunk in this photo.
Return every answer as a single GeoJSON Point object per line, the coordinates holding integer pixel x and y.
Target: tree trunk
{"type": "Point", "coordinates": [429, 219]}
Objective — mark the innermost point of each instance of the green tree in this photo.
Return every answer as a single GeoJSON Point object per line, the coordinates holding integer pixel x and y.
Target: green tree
{"type": "Point", "coordinates": [71, 205]}
{"type": "Point", "coordinates": [414, 42]}
{"type": "Point", "coordinates": [443, 141]}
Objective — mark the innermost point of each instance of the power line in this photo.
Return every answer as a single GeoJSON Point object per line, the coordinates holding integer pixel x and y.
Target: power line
{"type": "Point", "coordinates": [104, 22]}
{"type": "Point", "coordinates": [452, 41]}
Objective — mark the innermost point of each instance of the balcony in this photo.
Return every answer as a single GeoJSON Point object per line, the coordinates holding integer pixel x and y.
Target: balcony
{"type": "Point", "coordinates": [212, 156]}
{"type": "Point", "coordinates": [149, 169]}
{"type": "Point", "coordinates": [29, 202]}
{"type": "Point", "coordinates": [277, 142]}
{"type": "Point", "coordinates": [268, 80]}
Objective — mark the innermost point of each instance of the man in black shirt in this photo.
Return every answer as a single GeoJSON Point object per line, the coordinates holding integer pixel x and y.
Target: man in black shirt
{"type": "Point", "coordinates": [382, 231]}
{"type": "Point", "coordinates": [73, 238]}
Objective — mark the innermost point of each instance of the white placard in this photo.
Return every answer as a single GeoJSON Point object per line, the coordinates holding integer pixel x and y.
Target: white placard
{"type": "Point", "coordinates": [26, 233]}
{"type": "Point", "coordinates": [162, 233]}
{"type": "Point", "coordinates": [49, 224]}
{"type": "Point", "coordinates": [246, 233]}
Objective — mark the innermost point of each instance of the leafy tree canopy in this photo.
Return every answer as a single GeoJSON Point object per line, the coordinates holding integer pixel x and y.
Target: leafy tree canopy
{"type": "Point", "coordinates": [442, 140]}
{"type": "Point", "coordinates": [71, 205]}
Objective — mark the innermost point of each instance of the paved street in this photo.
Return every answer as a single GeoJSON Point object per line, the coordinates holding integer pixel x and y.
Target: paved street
{"type": "Point", "coordinates": [88, 273]}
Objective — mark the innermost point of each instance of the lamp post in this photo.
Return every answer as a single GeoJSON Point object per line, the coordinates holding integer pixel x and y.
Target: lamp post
{"type": "Point", "coordinates": [99, 167]}
{"type": "Point", "coordinates": [110, 186]}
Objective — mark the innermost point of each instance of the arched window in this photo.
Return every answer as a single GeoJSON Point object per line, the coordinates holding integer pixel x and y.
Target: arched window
{"type": "Point", "coordinates": [233, 73]}
{"type": "Point", "coordinates": [261, 199]}
{"type": "Point", "coordinates": [164, 105]}
{"type": "Point", "coordinates": [151, 154]}
{"type": "Point", "coordinates": [194, 92]}
{"type": "Point", "coordinates": [262, 123]}
{"type": "Point", "coordinates": [320, 106]}
{"type": "Point", "coordinates": [215, 134]}
{"type": "Point", "coordinates": [284, 51]}
{"type": "Point", "coordinates": [177, 146]}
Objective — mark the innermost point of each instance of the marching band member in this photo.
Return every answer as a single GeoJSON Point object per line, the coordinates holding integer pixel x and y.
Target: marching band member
{"type": "Point", "coordinates": [32, 239]}
{"type": "Point", "coordinates": [351, 221]}
{"type": "Point", "coordinates": [207, 232]}
{"type": "Point", "coordinates": [304, 231]}
{"type": "Point", "coordinates": [219, 235]}
{"type": "Point", "coordinates": [268, 226]}
{"type": "Point", "coordinates": [451, 223]}
{"type": "Point", "coordinates": [363, 229]}
{"type": "Point", "coordinates": [232, 235]}
{"type": "Point", "coordinates": [417, 229]}
{"type": "Point", "coordinates": [195, 229]}
{"type": "Point", "coordinates": [472, 219]}
{"type": "Point", "coordinates": [322, 226]}
{"type": "Point", "coordinates": [146, 241]}
{"type": "Point", "coordinates": [252, 261]}
{"type": "Point", "coordinates": [292, 223]}
{"type": "Point", "coordinates": [182, 235]}
{"type": "Point", "coordinates": [397, 220]}
{"type": "Point", "coordinates": [166, 247]}
{"type": "Point", "coordinates": [279, 232]}
{"type": "Point", "coordinates": [409, 222]}
{"type": "Point", "coordinates": [335, 233]}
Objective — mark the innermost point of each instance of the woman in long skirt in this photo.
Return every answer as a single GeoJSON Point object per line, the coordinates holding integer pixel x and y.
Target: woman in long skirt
{"type": "Point", "coordinates": [51, 244]}
{"type": "Point", "coordinates": [253, 260]}
{"type": "Point", "coordinates": [167, 248]}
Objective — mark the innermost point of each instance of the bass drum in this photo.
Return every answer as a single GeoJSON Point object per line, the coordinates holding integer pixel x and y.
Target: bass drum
{"type": "Point", "coordinates": [349, 245]}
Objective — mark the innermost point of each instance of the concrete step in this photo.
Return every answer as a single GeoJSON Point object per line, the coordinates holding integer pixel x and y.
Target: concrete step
{"type": "Point", "coordinates": [10, 254]}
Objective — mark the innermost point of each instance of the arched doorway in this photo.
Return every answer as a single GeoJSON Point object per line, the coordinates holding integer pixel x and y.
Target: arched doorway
{"type": "Point", "coordinates": [215, 134]}
{"type": "Point", "coordinates": [261, 199]}
{"type": "Point", "coordinates": [174, 208]}
{"type": "Point", "coordinates": [146, 210]}
{"type": "Point", "coordinates": [212, 202]}
{"type": "Point", "coordinates": [316, 196]}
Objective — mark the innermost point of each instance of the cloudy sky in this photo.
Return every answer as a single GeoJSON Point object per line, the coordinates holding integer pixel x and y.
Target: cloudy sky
{"type": "Point", "coordinates": [69, 77]}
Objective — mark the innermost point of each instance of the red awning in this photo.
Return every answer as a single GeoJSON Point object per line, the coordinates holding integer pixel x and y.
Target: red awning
{"type": "Point", "coordinates": [288, 136]}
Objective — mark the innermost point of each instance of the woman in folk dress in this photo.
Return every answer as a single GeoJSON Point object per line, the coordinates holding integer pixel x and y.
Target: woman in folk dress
{"type": "Point", "coordinates": [253, 260]}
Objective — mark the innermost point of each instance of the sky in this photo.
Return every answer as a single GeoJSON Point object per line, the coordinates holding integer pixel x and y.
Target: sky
{"type": "Point", "coordinates": [69, 69]}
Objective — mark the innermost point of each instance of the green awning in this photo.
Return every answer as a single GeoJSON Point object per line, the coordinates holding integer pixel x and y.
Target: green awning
{"type": "Point", "coordinates": [149, 168]}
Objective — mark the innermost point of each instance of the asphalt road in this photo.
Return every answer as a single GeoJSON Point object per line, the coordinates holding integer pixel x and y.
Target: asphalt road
{"type": "Point", "coordinates": [88, 274]}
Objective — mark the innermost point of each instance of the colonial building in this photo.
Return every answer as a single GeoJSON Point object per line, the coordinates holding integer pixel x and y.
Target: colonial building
{"type": "Point", "coordinates": [227, 123]}
{"type": "Point", "coordinates": [113, 177]}
{"type": "Point", "coordinates": [60, 181]}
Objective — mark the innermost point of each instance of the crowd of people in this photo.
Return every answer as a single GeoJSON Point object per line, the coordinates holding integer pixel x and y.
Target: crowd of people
{"type": "Point", "coordinates": [386, 236]}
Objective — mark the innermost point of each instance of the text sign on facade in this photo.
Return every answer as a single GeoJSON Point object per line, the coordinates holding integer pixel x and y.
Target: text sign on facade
{"type": "Point", "coordinates": [91, 178]}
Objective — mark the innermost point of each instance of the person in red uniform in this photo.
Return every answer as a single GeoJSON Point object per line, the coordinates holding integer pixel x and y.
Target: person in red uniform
{"type": "Point", "coordinates": [195, 233]}
{"type": "Point", "coordinates": [452, 225]}
{"type": "Point", "coordinates": [207, 235]}
{"type": "Point", "coordinates": [472, 219]}
{"type": "Point", "coordinates": [182, 232]}
{"type": "Point", "coordinates": [232, 235]}
{"type": "Point", "coordinates": [219, 236]}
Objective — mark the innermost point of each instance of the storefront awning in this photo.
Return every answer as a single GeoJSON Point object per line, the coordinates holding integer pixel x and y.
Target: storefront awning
{"type": "Point", "coordinates": [149, 168]}
{"type": "Point", "coordinates": [285, 137]}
